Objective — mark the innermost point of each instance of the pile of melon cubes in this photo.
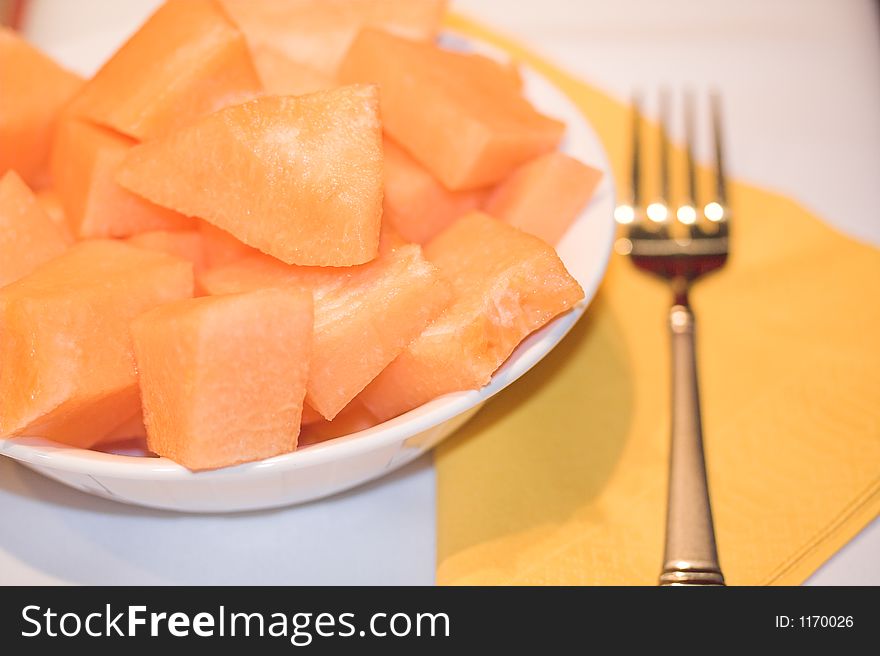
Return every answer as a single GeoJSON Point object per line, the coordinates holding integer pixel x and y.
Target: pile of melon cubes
{"type": "Point", "coordinates": [266, 223]}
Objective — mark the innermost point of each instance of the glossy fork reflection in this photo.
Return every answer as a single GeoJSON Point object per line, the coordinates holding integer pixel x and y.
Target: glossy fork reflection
{"type": "Point", "coordinates": [680, 245]}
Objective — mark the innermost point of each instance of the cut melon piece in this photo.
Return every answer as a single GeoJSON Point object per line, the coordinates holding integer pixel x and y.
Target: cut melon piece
{"type": "Point", "coordinates": [50, 201]}
{"type": "Point", "coordinates": [28, 238]}
{"type": "Point", "coordinates": [85, 159]}
{"type": "Point", "coordinates": [186, 244]}
{"type": "Point", "coordinates": [282, 76]}
{"type": "Point", "coordinates": [545, 196]}
{"type": "Point", "coordinates": [310, 415]}
{"type": "Point", "coordinates": [299, 178]}
{"type": "Point", "coordinates": [459, 115]}
{"type": "Point", "coordinates": [131, 429]}
{"type": "Point", "coordinates": [186, 61]}
{"type": "Point", "coordinates": [223, 377]}
{"type": "Point", "coordinates": [501, 77]}
{"type": "Point", "coordinates": [33, 90]}
{"type": "Point", "coordinates": [364, 316]}
{"type": "Point", "coordinates": [353, 419]}
{"type": "Point", "coordinates": [318, 33]}
{"type": "Point", "coordinates": [68, 373]}
{"type": "Point", "coordinates": [416, 205]}
{"type": "Point", "coordinates": [221, 248]}
{"type": "Point", "coordinates": [507, 284]}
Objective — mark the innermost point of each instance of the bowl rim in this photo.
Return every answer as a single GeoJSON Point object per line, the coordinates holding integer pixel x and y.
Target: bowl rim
{"type": "Point", "coordinates": [41, 452]}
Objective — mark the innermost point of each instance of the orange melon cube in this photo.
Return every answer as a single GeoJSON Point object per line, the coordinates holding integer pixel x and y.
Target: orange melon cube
{"type": "Point", "coordinates": [318, 33]}
{"type": "Point", "coordinates": [507, 284]}
{"type": "Point", "coordinates": [545, 196]}
{"type": "Point", "coordinates": [502, 77]}
{"type": "Point", "coordinates": [299, 178]}
{"type": "Point", "coordinates": [282, 76]}
{"type": "Point", "coordinates": [364, 316]}
{"type": "Point", "coordinates": [33, 90]}
{"type": "Point", "coordinates": [459, 115]}
{"type": "Point", "coordinates": [132, 428]}
{"type": "Point", "coordinates": [353, 418]}
{"type": "Point", "coordinates": [186, 61]}
{"type": "Point", "coordinates": [310, 415]}
{"type": "Point", "coordinates": [416, 205]}
{"type": "Point", "coordinates": [68, 372]}
{"type": "Point", "coordinates": [50, 201]}
{"type": "Point", "coordinates": [186, 244]}
{"type": "Point", "coordinates": [85, 159]}
{"type": "Point", "coordinates": [223, 377]}
{"type": "Point", "coordinates": [220, 247]}
{"type": "Point", "coordinates": [28, 238]}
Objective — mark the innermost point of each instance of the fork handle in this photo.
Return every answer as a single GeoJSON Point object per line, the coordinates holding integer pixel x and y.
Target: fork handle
{"type": "Point", "coordinates": [691, 557]}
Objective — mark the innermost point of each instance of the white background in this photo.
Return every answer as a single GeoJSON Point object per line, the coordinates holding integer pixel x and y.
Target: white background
{"type": "Point", "coordinates": [800, 81]}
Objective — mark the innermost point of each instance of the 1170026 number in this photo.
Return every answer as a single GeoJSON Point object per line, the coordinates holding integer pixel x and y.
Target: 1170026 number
{"type": "Point", "coordinates": [826, 621]}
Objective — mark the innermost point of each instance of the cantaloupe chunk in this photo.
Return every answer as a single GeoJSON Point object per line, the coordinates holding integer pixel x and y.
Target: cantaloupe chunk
{"type": "Point", "coordinates": [318, 33]}
{"type": "Point", "coordinates": [185, 244]}
{"type": "Point", "coordinates": [221, 248]}
{"type": "Point", "coordinates": [354, 418]}
{"type": "Point", "coordinates": [416, 205]}
{"type": "Point", "coordinates": [495, 76]}
{"type": "Point", "coordinates": [132, 428]}
{"type": "Point", "coordinates": [223, 377]}
{"type": "Point", "coordinates": [310, 415]}
{"type": "Point", "coordinates": [187, 60]}
{"type": "Point", "coordinates": [33, 89]}
{"type": "Point", "coordinates": [282, 76]}
{"type": "Point", "coordinates": [545, 196]}
{"type": "Point", "coordinates": [50, 201]}
{"type": "Point", "coordinates": [299, 178]}
{"type": "Point", "coordinates": [507, 284]}
{"type": "Point", "coordinates": [85, 159]}
{"type": "Point", "coordinates": [66, 366]}
{"type": "Point", "coordinates": [28, 238]}
{"type": "Point", "coordinates": [364, 315]}
{"type": "Point", "coordinates": [457, 114]}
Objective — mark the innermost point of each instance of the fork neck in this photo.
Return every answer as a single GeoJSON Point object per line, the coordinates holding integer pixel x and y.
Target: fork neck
{"type": "Point", "coordinates": [680, 286]}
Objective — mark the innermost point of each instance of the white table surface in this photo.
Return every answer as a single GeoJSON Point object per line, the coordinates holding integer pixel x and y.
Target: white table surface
{"type": "Point", "coordinates": [801, 86]}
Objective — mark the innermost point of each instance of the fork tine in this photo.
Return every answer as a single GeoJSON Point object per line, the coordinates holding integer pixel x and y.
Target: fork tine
{"type": "Point", "coordinates": [627, 212]}
{"type": "Point", "coordinates": [658, 211]}
{"type": "Point", "coordinates": [720, 175]}
{"type": "Point", "coordinates": [664, 146]}
{"type": "Point", "coordinates": [687, 211]}
{"type": "Point", "coordinates": [689, 136]}
{"type": "Point", "coordinates": [636, 135]}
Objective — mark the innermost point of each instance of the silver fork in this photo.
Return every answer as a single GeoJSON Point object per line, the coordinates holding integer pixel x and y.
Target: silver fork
{"type": "Point", "coordinates": [681, 247]}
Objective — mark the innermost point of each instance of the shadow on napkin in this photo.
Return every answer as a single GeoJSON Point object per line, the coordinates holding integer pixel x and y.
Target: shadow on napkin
{"type": "Point", "coordinates": [531, 421]}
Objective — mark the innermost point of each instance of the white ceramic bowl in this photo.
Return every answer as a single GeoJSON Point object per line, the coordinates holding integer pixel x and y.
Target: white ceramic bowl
{"type": "Point", "coordinates": [345, 462]}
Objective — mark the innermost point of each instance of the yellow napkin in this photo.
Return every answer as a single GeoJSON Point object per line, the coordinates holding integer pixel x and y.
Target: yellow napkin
{"type": "Point", "coordinates": [562, 478]}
